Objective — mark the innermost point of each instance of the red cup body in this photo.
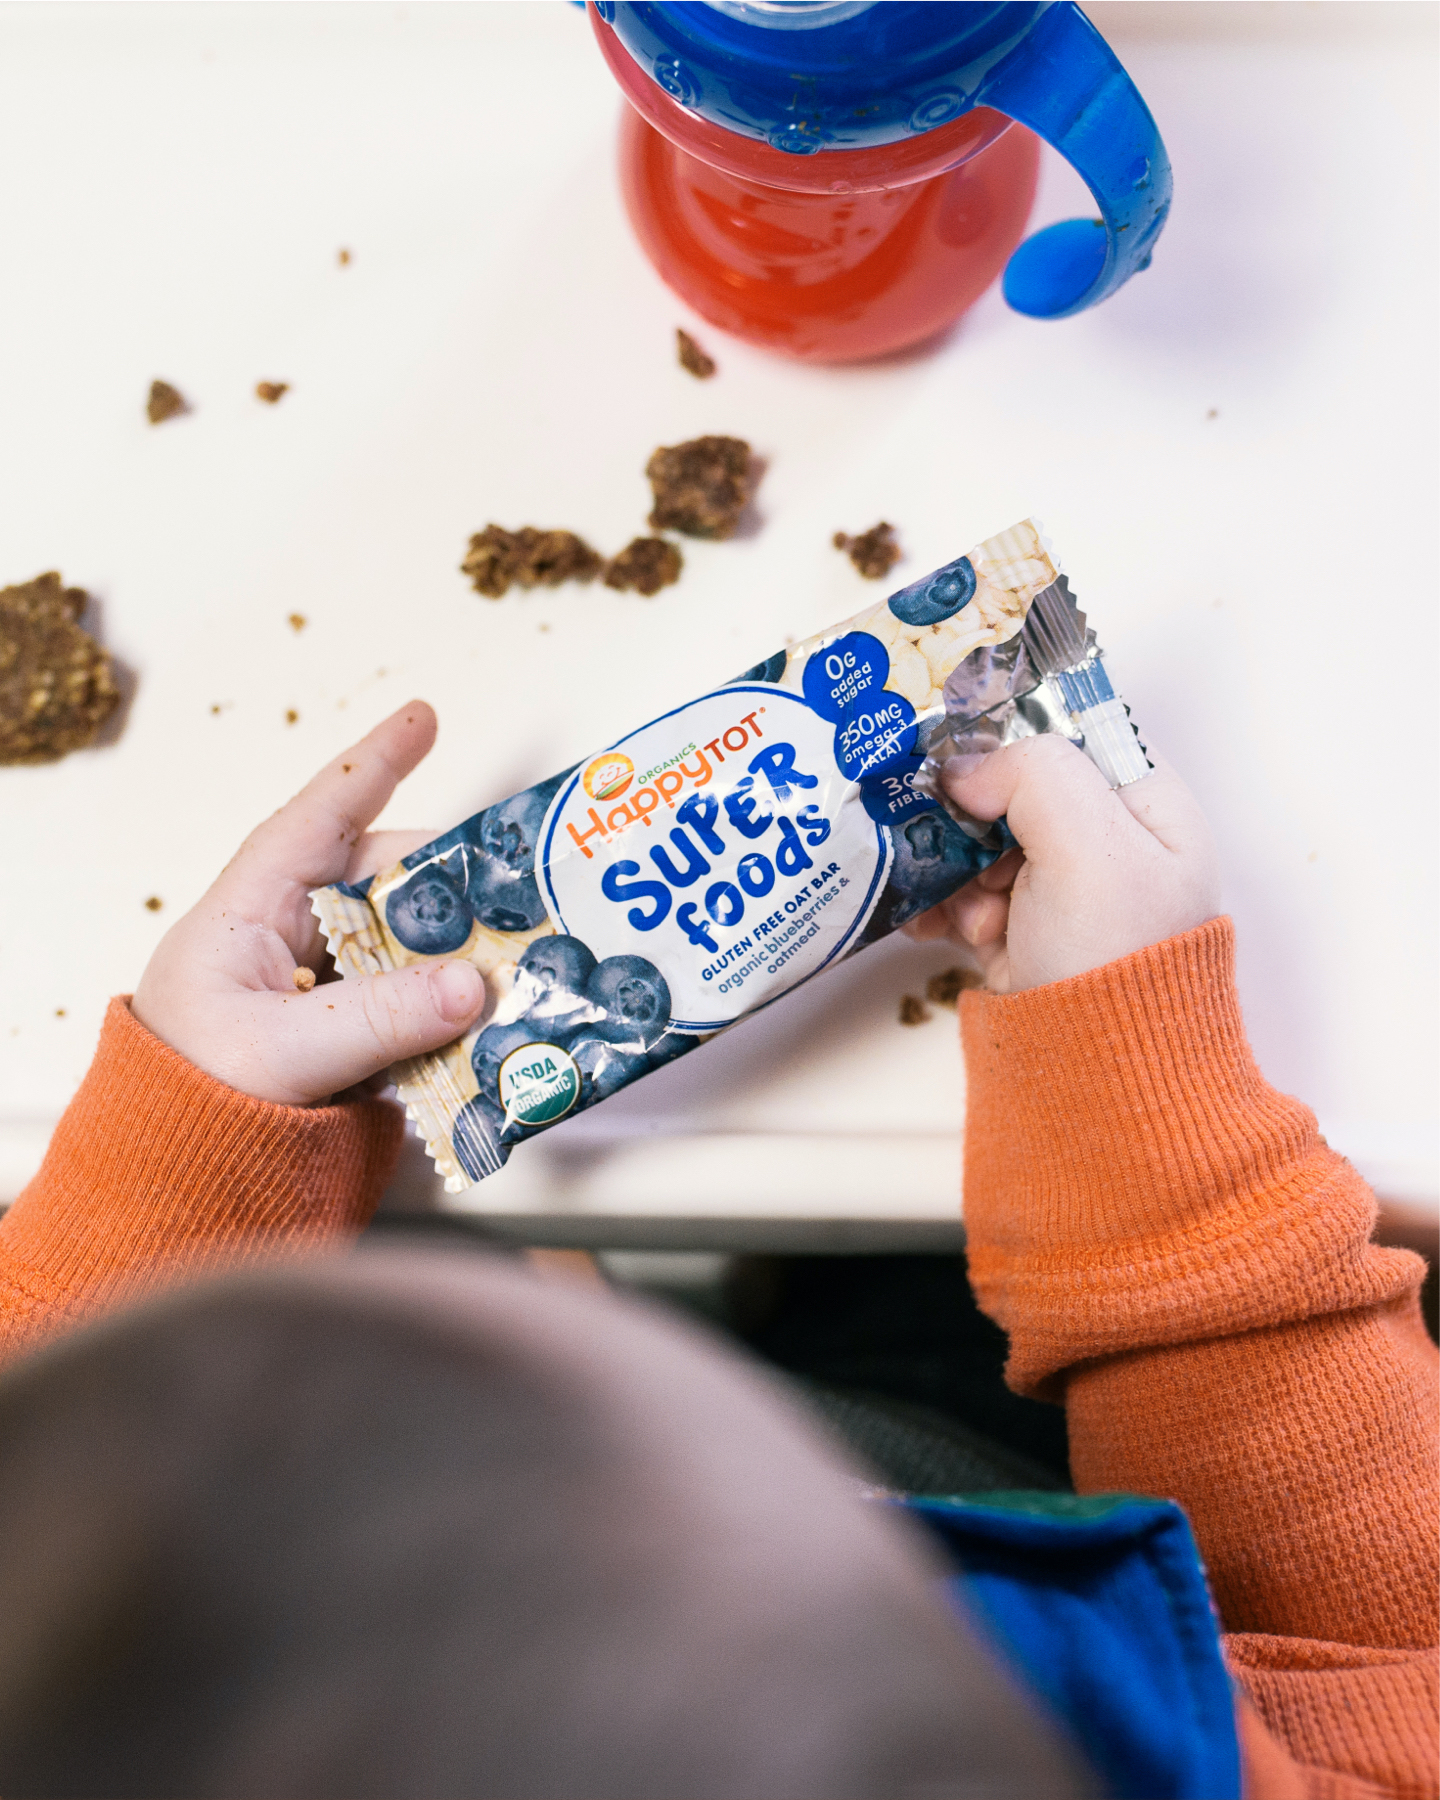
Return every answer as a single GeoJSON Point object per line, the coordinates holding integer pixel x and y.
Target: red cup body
{"type": "Point", "coordinates": [831, 258]}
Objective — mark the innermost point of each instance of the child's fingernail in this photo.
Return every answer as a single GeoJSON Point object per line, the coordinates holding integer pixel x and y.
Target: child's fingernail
{"type": "Point", "coordinates": [457, 988]}
{"type": "Point", "coordinates": [956, 768]}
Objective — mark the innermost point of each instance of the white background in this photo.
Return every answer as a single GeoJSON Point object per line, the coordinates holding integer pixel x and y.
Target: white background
{"type": "Point", "coordinates": [175, 182]}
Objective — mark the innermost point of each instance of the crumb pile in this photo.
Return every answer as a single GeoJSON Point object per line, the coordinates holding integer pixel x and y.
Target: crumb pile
{"type": "Point", "coordinates": [701, 487]}
{"type": "Point", "coordinates": [692, 358]}
{"type": "Point", "coordinates": [874, 552]}
{"type": "Point", "coordinates": [646, 564]}
{"type": "Point", "coordinates": [165, 402]}
{"type": "Point", "coordinates": [57, 686]}
{"type": "Point", "coordinates": [946, 988]}
{"type": "Point", "coordinates": [943, 989]}
{"type": "Point", "coordinates": [528, 558]}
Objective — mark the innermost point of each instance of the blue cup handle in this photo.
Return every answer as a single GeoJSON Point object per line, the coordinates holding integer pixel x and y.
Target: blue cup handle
{"type": "Point", "coordinates": [1064, 82]}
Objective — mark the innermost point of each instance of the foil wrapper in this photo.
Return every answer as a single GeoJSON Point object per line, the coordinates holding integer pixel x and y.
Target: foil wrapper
{"type": "Point", "coordinates": [1049, 677]}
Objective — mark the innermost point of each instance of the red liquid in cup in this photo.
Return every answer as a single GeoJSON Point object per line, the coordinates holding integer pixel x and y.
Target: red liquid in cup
{"type": "Point", "coordinates": [827, 258]}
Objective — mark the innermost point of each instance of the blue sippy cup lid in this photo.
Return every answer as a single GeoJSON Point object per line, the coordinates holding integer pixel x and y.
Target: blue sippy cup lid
{"type": "Point", "coordinates": [836, 75]}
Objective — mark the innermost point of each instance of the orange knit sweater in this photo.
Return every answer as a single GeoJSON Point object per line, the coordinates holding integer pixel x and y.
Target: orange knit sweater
{"type": "Point", "coordinates": [1169, 1243]}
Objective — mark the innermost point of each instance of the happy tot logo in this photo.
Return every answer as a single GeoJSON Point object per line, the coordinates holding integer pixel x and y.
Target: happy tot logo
{"type": "Point", "coordinates": [609, 775]}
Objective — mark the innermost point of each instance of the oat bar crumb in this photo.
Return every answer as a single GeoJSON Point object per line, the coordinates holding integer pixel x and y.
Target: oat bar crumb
{"type": "Point", "coordinates": [291, 716]}
{"type": "Point", "coordinates": [913, 1011]}
{"type": "Point", "coordinates": [530, 557]}
{"type": "Point", "coordinates": [701, 487]}
{"type": "Point", "coordinates": [343, 258]}
{"type": "Point", "coordinates": [297, 621]}
{"type": "Point", "coordinates": [646, 564]}
{"type": "Point", "coordinates": [57, 686]}
{"type": "Point", "coordinates": [154, 903]}
{"type": "Point", "coordinates": [304, 979]}
{"type": "Point", "coordinates": [165, 402]}
{"type": "Point", "coordinates": [946, 988]}
{"type": "Point", "coordinates": [271, 391]}
{"type": "Point", "coordinates": [874, 553]}
{"type": "Point", "coordinates": [692, 357]}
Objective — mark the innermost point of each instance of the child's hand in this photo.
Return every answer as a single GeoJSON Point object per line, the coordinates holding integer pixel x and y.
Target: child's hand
{"type": "Point", "coordinates": [1103, 872]}
{"type": "Point", "coordinates": [220, 987]}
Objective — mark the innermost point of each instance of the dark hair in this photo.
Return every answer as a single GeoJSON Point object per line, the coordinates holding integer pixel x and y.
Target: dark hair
{"type": "Point", "coordinates": [411, 1524]}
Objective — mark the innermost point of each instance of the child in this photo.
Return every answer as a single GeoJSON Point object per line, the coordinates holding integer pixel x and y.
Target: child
{"type": "Point", "coordinates": [1175, 1253]}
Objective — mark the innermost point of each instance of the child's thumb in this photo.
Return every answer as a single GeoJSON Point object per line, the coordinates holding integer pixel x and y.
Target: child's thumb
{"type": "Point", "coordinates": [349, 1030]}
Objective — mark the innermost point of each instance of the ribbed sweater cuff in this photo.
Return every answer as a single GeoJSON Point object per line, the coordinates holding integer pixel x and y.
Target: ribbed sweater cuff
{"type": "Point", "coordinates": [158, 1172]}
{"type": "Point", "coordinates": [1130, 1177]}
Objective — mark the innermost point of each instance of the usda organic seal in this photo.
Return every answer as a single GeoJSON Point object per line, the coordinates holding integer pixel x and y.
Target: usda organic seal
{"type": "Point", "coordinates": [539, 1083]}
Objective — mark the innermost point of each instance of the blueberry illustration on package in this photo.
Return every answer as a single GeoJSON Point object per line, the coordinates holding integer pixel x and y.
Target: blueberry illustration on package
{"type": "Point", "coordinates": [605, 1067]}
{"type": "Point", "coordinates": [937, 597]}
{"type": "Point", "coordinates": [428, 913]}
{"type": "Point", "coordinates": [551, 986]}
{"type": "Point", "coordinates": [933, 859]}
{"type": "Point", "coordinates": [632, 1001]}
{"type": "Point", "coordinates": [771, 669]}
{"type": "Point", "coordinates": [711, 861]}
{"type": "Point", "coordinates": [501, 888]}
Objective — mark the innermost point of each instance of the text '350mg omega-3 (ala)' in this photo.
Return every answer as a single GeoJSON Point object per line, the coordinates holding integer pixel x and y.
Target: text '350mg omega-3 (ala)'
{"type": "Point", "coordinates": [703, 865]}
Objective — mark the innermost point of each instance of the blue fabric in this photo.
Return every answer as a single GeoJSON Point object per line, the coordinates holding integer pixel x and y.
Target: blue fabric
{"type": "Point", "coordinates": [1100, 1603]}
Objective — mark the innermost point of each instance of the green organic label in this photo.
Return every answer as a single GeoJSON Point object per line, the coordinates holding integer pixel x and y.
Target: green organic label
{"type": "Point", "coordinates": [539, 1083]}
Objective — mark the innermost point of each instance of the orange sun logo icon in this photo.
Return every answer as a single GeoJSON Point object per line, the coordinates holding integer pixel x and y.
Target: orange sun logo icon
{"type": "Point", "coordinates": [609, 775]}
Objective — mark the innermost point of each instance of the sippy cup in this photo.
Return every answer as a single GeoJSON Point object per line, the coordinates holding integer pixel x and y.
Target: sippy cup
{"type": "Point", "coordinates": [840, 179]}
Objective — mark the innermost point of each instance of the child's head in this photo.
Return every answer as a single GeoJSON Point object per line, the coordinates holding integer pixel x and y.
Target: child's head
{"type": "Point", "coordinates": [404, 1524]}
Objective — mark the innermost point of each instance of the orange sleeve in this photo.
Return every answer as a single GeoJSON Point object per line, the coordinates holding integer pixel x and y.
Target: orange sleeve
{"type": "Point", "coordinates": [1175, 1251]}
{"type": "Point", "coordinates": [158, 1173]}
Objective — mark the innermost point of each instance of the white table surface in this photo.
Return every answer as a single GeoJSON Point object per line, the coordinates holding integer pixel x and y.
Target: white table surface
{"type": "Point", "coordinates": [175, 183]}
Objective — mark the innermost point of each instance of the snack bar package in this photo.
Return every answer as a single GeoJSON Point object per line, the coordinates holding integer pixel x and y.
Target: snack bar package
{"type": "Point", "coordinates": [702, 866]}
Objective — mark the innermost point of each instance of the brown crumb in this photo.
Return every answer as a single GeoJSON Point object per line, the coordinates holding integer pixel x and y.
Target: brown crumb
{"type": "Point", "coordinates": [1214, 413]}
{"type": "Point", "coordinates": [530, 557]}
{"type": "Point", "coordinates": [154, 903]}
{"type": "Point", "coordinates": [59, 1012]}
{"type": "Point", "coordinates": [692, 357]}
{"type": "Point", "coordinates": [874, 553]}
{"type": "Point", "coordinates": [946, 987]}
{"type": "Point", "coordinates": [165, 402]}
{"type": "Point", "coordinates": [304, 979]}
{"type": "Point", "coordinates": [343, 258]}
{"type": "Point", "coordinates": [271, 391]}
{"type": "Point", "coordinates": [216, 707]}
{"type": "Point", "coordinates": [291, 716]}
{"type": "Point", "coordinates": [913, 1011]}
{"type": "Point", "coordinates": [701, 487]}
{"type": "Point", "coordinates": [298, 621]}
{"type": "Point", "coordinates": [57, 686]}
{"type": "Point", "coordinates": [646, 564]}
